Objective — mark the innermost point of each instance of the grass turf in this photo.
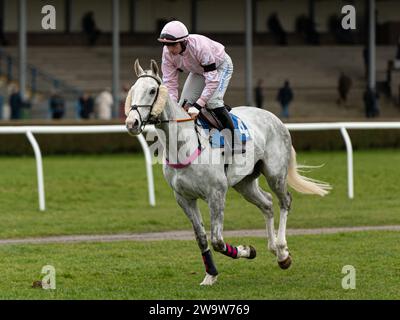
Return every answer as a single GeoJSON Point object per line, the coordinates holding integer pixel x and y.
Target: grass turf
{"type": "Point", "coordinates": [173, 270]}
{"type": "Point", "coordinates": [108, 194]}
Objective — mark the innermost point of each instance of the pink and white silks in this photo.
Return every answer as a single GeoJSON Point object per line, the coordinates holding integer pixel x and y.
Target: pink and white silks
{"type": "Point", "coordinates": [210, 70]}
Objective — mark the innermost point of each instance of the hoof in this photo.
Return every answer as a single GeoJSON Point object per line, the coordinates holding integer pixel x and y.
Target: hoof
{"type": "Point", "coordinates": [285, 264]}
{"type": "Point", "coordinates": [209, 280]}
{"type": "Point", "coordinates": [253, 252]}
{"type": "Point", "coordinates": [247, 252]}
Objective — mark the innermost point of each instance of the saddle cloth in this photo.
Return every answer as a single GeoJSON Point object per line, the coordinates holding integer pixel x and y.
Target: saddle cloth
{"type": "Point", "coordinates": [217, 139]}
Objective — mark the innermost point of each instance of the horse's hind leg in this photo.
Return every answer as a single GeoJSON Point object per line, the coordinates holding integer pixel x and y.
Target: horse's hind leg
{"type": "Point", "coordinates": [253, 193]}
{"type": "Point", "coordinates": [276, 177]}
{"type": "Point", "coordinates": [190, 208]}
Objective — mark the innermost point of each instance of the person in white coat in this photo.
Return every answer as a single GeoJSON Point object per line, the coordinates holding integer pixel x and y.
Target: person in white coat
{"type": "Point", "coordinates": [103, 105]}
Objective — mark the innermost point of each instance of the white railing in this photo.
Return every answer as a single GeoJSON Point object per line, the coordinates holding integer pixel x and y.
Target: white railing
{"type": "Point", "coordinates": [343, 126]}
{"type": "Point", "coordinates": [29, 131]}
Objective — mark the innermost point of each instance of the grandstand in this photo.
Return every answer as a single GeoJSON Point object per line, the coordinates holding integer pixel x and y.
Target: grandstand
{"type": "Point", "coordinates": [313, 71]}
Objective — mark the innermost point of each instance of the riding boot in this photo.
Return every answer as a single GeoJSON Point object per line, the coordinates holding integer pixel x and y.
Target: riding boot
{"type": "Point", "coordinates": [227, 122]}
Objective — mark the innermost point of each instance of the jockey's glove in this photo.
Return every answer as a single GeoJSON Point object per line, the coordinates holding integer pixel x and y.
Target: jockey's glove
{"type": "Point", "coordinates": [193, 110]}
{"type": "Point", "coordinates": [197, 106]}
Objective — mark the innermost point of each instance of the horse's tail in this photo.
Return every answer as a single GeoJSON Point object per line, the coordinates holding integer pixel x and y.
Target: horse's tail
{"type": "Point", "coordinates": [303, 184]}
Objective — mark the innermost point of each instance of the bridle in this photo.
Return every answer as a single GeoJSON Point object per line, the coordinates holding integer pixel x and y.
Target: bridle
{"type": "Point", "coordinates": [151, 119]}
{"type": "Point", "coordinates": [155, 120]}
{"type": "Point", "coordinates": [136, 106]}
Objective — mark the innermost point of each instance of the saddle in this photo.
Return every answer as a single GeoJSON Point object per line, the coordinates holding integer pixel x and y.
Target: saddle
{"type": "Point", "coordinates": [209, 117]}
{"type": "Point", "coordinates": [209, 121]}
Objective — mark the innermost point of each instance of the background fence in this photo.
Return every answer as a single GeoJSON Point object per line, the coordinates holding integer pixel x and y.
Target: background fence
{"type": "Point", "coordinates": [29, 131]}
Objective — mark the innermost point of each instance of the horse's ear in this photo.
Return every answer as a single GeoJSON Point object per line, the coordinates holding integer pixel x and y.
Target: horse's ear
{"type": "Point", "coordinates": [138, 69]}
{"type": "Point", "coordinates": [154, 67]}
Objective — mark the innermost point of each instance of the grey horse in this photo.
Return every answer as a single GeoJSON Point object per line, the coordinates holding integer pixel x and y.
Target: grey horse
{"type": "Point", "coordinates": [191, 169]}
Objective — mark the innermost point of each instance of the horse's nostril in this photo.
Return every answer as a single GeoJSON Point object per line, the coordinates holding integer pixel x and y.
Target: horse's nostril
{"type": "Point", "coordinates": [135, 123]}
{"type": "Point", "coordinates": [132, 124]}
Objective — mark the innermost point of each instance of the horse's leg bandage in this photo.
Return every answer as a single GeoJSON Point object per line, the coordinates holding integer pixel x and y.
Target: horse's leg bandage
{"type": "Point", "coordinates": [209, 263]}
{"type": "Point", "coordinates": [230, 251]}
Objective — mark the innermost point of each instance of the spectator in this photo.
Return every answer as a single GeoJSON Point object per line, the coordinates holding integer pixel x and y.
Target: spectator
{"type": "Point", "coordinates": [1, 106]}
{"type": "Point", "coordinates": [388, 82]}
{"type": "Point", "coordinates": [376, 104]}
{"type": "Point", "coordinates": [371, 103]}
{"type": "Point", "coordinates": [366, 61]}
{"type": "Point", "coordinates": [86, 106]}
{"type": "Point", "coordinates": [3, 40]}
{"type": "Point", "coordinates": [103, 105]}
{"type": "Point", "coordinates": [342, 36]}
{"type": "Point", "coordinates": [312, 36]}
{"type": "Point", "coordinates": [275, 26]}
{"type": "Point", "coordinates": [4, 102]}
{"type": "Point", "coordinates": [398, 97]}
{"type": "Point", "coordinates": [89, 28]}
{"type": "Point", "coordinates": [57, 106]}
{"type": "Point", "coordinates": [344, 85]}
{"type": "Point", "coordinates": [285, 96]}
{"type": "Point", "coordinates": [258, 92]}
{"type": "Point", "coordinates": [306, 27]}
{"type": "Point", "coordinates": [16, 103]}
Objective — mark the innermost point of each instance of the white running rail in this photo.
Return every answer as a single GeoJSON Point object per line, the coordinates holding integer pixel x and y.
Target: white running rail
{"type": "Point", "coordinates": [343, 127]}
{"type": "Point", "coordinates": [29, 131]}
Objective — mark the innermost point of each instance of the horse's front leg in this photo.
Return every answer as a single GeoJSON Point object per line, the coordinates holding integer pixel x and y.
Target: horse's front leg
{"type": "Point", "coordinates": [190, 208]}
{"type": "Point", "coordinates": [216, 203]}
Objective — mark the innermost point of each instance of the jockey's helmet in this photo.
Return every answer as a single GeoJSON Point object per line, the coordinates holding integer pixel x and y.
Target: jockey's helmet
{"type": "Point", "coordinates": [173, 32]}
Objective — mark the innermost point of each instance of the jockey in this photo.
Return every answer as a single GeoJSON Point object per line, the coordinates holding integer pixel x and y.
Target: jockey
{"type": "Point", "coordinates": [209, 66]}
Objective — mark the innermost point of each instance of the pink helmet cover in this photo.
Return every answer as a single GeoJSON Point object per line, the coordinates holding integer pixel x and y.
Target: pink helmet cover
{"type": "Point", "coordinates": [174, 31]}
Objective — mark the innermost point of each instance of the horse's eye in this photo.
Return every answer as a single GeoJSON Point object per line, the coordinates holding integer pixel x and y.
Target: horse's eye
{"type": "Point", "coordinates": [152, 91]}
